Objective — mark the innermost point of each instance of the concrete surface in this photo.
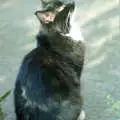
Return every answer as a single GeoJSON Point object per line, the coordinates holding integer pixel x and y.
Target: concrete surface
{"type": "Point", "coordinates": [99, 21]}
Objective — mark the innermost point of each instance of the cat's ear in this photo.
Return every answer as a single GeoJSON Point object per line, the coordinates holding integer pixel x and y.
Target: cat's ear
{"type": "Point", "coordinates": [45, 16]}
{"type": "Point", "coordinates": [60, 8]}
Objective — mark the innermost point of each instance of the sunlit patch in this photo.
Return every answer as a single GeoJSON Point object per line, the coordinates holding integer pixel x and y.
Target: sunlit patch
{"type": "Point", "coordinates": [114, 23]}
{"type": "Point", "coordinates": [7, 4]}
{"type": "Point", "coordinates": [95, 11]}
{"type": "Point", "coordinates": [2, 79]}
{"type": "Point", "coordinates": [96, 61]}
{"type": "Point", "coordinates": [98, 44]}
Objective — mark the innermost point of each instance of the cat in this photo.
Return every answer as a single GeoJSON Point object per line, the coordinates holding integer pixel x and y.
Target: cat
{"type": "Point", "coordinates": [48, 83]}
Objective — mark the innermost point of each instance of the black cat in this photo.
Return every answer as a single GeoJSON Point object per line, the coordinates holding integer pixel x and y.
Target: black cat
{"type": "Point", "coordinates": [48, 83]}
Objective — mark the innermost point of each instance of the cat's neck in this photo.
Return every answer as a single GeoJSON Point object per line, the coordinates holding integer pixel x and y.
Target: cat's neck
{"type": "Point", "coordinates": [57, 41]}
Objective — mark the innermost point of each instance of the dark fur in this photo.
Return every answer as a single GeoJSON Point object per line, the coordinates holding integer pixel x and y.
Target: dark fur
{"type": "Point", "coordinates": [48, 83]}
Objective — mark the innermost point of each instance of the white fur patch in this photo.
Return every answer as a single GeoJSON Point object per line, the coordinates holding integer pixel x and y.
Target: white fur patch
{"type": "Point", "coordinates": [24, 93]}
{"type": "Point", "coordinates": [75, 31]}
{"type": "Point", "coordinates": [82, 115]}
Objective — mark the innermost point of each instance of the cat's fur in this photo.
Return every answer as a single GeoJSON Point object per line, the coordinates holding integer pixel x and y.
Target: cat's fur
{"type": "Point", "coordinates": [48, 84]}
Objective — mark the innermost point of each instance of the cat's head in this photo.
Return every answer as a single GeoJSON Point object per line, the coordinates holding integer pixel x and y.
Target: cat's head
{"type": "Point", "coordinates": [56, 17]}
